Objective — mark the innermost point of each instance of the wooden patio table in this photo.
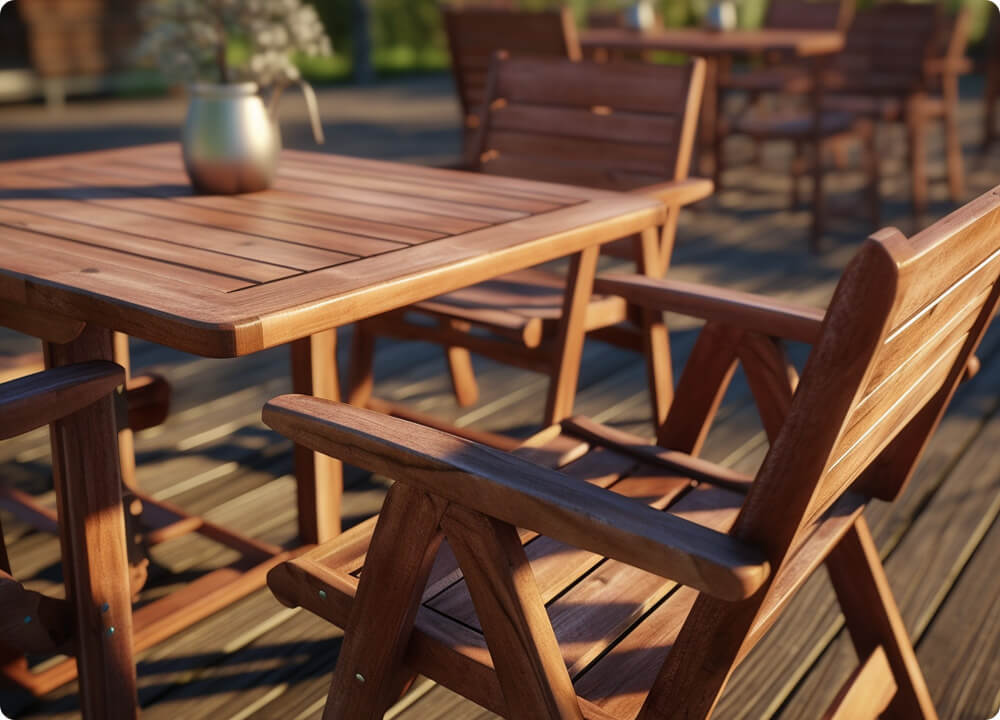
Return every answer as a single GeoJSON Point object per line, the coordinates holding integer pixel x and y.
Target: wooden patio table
{"type": "Point", "coordinates": [109, 242]}
{"type": "Point", "coordinates": [717, 47]}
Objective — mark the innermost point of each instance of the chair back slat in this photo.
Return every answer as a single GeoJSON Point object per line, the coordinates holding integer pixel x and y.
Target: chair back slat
{"type": "Point", "coordinates": [904, 321]}
{"type": "Point", "coordinates": [809, 14]}
{"type": "Point", "coordinates": [891, 41]}
{"type": "Point", "coordinates": [612, 125]}
{"type": "Point", "coordinates": [476, 33]}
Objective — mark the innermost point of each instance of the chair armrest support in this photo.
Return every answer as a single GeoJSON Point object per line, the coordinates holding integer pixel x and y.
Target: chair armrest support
{"type": "Point", "coordinates": [678, 193]}
{"type": "Point", "coordinates": [39, 399]}
{"type": "Point", "coordinates": [756, 313]}
{"type": "Point", "coordinates": [516, 491]}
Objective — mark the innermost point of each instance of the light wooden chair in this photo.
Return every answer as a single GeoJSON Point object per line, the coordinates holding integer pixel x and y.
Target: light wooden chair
{"type": "Point", "coordinates": [476, 32]}
{"type": "Point", "coordinates": [618, 125]}
{"type": "Point", "coordinates": [632, 581]}
{"type": "Point", "coordinates": [73, 399]}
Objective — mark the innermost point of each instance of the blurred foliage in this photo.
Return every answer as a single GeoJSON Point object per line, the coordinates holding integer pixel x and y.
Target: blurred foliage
{"type": "Point", "coordinates": [407, 34]}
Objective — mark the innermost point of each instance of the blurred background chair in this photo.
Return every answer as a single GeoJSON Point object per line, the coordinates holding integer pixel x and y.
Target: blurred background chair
{"type": "Point", "coordinates": [619, 126]}
{"type": "Point", "coordinates": [901, 65]}
{"type": "Point", "coordinates": [475, 33]}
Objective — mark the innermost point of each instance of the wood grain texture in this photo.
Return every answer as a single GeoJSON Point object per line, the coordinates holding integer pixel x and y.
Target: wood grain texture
{"type": "Point", "coordinates": [92, 536]}
{"type": "Point", "coordinates": [127, 245]}
{"type": "Point", "coordinates": [41, 398]}
{"type": "Point", "coordinates": [550, 503]}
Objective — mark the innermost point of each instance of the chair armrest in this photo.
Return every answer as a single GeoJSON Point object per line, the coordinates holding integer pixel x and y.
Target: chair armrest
{"type": "Point", "coordinates": [756, 313]}
{"type": "Point", "coordinates": [35, 400]}
{"type": "Point", "coordinates": [678, 193]}
{"type": "Point", "coordinates": [516, 491]}
{"type": "Point", "coordinates": [945, 65]}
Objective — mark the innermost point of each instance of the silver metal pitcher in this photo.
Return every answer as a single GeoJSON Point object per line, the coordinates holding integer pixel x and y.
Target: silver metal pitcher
{"type": "Point", "coordinates": [231, 141]}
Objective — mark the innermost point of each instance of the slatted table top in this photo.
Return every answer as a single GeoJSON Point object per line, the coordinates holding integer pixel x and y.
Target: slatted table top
{"type": "Point", "coordinates": [118, 238]}
{"type": "Point", "coordinates": [709, 42]}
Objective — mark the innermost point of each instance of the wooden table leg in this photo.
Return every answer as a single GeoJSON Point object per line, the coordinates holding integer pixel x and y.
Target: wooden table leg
{"type": "Point", "coordinates": [320, 478]}
{"type": "Point", "coordinates": [86, 469]}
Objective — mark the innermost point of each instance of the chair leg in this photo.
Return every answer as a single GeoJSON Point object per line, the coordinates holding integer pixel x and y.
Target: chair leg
{"type": "Point", "coordinates": [772, 379]}
{"type": "Point", "coordinates": [873, 620]}
{"type": "Point", "coordinates": [798, 170]}
{"type": "Point", "coordinates": [701, 387]}
{"type": "Point", "coordinates": [840, 155]}
{"type": "Point", "coordinates": [917, 128]}
{"type": "Point", "coordinates": [572, 331]}
{"type": "Point", "coordinates": [953, 142]}
{"type": "Point", "coordinates": [4, 560]}
{"type": "Point", "coordinates": [361, 373]}
{"type": "Point", "coordinates": [874, 173]}
{"type": "Point", "coordinates": [463, 375]}
{"type": "Point", "coordinates": [989, 117]}
{"type": "Point", "coordinates": [370, 675]}
{"type": "Point", "coordinates": [524, 648]}
{"type": "Point", "coordinates": [818, 199]}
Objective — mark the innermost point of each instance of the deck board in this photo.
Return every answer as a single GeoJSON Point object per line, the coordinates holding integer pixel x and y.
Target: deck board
{"type": "Point", "coordinates": [256, 659]}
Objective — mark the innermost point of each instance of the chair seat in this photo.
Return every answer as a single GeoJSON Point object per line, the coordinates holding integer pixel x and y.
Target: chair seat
{"type": "Point", "coordinates": [887, 109]}
{"type": "Point", "coordinates": [594, 603]}
{"type": "Point", "coordinates": [525, 306]}
{"type": "Point", "coordinates": [775, 79]}
{"type": "Point", "coordinates": [793, 126]}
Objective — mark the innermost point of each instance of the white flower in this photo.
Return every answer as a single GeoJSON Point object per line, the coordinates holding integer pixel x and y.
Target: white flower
{"type": "Point", "coordinates": [190, 39]}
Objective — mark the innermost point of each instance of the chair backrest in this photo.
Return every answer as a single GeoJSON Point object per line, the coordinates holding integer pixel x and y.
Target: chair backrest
{"type": "Point", "coordinates": [476, 33]}
{"type": "Point", "coordinates": [889, 44]}
{"type": "Point", "coordinates": [809, 14]}
{"type": "Point", "coordinates": [614, 125]}
{"type": "Point", "coordinates": [907, 315]}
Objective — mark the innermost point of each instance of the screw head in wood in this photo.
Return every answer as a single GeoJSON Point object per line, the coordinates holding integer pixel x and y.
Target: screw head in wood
{"type": "Point", "coordinates": [322, 594]}
{"type": "Point", "coordinates": [359, 677]}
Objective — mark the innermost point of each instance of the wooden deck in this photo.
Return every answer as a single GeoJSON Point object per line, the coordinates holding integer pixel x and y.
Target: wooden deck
{"type": "Point", "coordinates": [257, 659]}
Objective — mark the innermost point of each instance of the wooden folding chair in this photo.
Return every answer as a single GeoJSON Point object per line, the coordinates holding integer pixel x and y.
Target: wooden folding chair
{"type": "Point", "coordinates": [540, 593]}
{"type": "Point", "coordinates": [476, 33]}
{"type": "Point", "coordinates": [95, 619]}
{"type": "Point", "coordinates": [619, 126]}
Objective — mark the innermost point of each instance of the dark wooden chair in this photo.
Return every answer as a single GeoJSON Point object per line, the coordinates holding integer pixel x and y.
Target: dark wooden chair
{"type": "Point", "coordinates": [72, 398]}
{"type": "Point", "coordinates": [476, 33]}
{"type": "Point", "coordinates": [774, 72]}
{"type": "Point", "coordinates": [813, 132]}
{"type": "Point", "coordinates": [902, 64]}
{"type": "Point", "coordinates": [991, 94]}
{"type": "Point", "coordinates": [631, 581]}
{"type": "Point", "coordinates": [619, 126]}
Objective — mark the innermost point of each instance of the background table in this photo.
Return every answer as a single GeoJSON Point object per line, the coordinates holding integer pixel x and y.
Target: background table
{"type": "Point", "coordinates": [714, 47]}
{"type": "Point", "coordinates": [113, 241]}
